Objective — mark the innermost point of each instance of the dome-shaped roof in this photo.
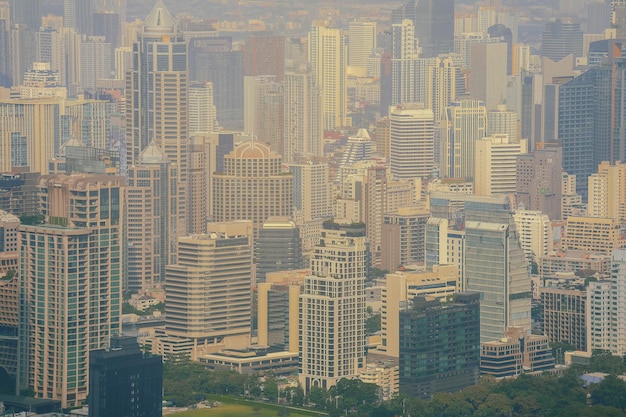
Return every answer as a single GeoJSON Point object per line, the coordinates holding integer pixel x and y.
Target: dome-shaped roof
{"type": "Point", "coordinates": [252, 150]}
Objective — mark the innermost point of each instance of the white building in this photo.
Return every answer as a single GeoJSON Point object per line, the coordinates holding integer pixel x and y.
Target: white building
{"type": "Point", "coordinates": [496, 164]}
{"type": "Point", "coordinates": [412, 141]}
{"type": "Point", "coordinates": [202, 113]}
{"type": "Point", "coordinates": [535, 233]}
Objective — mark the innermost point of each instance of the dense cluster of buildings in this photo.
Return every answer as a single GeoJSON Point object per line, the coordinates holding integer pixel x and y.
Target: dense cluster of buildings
{"type": "Point", "coordinates": [276, 191]}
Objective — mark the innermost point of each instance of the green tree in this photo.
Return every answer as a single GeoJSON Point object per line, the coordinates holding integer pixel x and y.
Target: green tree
{"type": "Point", "coordinates": [33, 220]}
{"type": "Point", "coordinates": [372, 324]}
{"type": "Point", "coordinates": [610, 392]}
{"type": "Point", "coordinates": [318, 396]}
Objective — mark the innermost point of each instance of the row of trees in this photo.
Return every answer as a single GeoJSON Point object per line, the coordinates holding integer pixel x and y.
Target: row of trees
{"type": "Point", "coordinates": [546, 395]}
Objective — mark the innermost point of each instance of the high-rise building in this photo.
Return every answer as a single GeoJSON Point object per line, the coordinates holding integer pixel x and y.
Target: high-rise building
{"type": "Point", "coordinates": [403, 237]}
{"type": "Point", "coordinates": [311, 190]}
{"type": "Point", "coordinates": [607, 195]}
{"type": "Point", "coordinates": [19, 193]}
{"type": "Point", "coordinates": [150, 220]}
{"type": "Point", "coordinates": [332, 310]}
{"type": "Point", "coordinates": [358, 148]}
{"type": "Point", "coordinates": [443, 85]}
{"type": "Point", "coordinates": [496, 164]}
{"type": "Point", "coordinates": [263, 110]}
{"type": "Point", "coordinates": [434, 26]}
{"type": "Point", "coordinates": [23, 49]}
{"type": "Point", "coordinates": [76, 260]}
{"type": "Point", "coordinates": [495, 266]}
{"type": "Point", "coordinates": [202, 113]}
{"type": "Point", "coordinates": [78, 14]}
{"type": "Point", "coordinates": [618, 280]}
{"type": "Point", "coordinates": [302, 103]}
{"type": "Point", "coordinates": [404, 63]}
{"type": "Point", "coordinates": [95, 61]}
{"type": "Point", "coordinates": [5, 35]}
{"type": "Point", "coordinates": [361, 44]}
{"type": "Point", "coordinates": [539, 177]}
{"type": "Point", "coordinates": [439, 345]}
{"type": "Point", "coordinates": [412, 141]}
{"type": "Point", "coordinates": [535, 233]}
{"type": "Point", "coordinates": [264, 55]}
{"type": "Point", "coordinates": [252, 186]}
{"type": "Point", "coordinates": [328, 57]}
{"type": "Point", "coordinates": [26, 12]}
{"type": "Point", "coordinates": [213, 59]}
{"type": "Point", "coordinates": [9, 291]}
{"type": "Point", "coordinates": [560, 38]}
{"type": "Point", "coordinates": [209, 289]}
{"type": "Point", "coordinates": [157, 100]}
{"type": "Point", "coordinates": [463, 124]}
{"type": "Point", "coordinates": [124, 382]}
{"type": "Point", "coordinates": [108, 24]}
{"type": "Point", "coordinates": [34, 136]}
{"type": "Point", "coordinates": [488, 79]}
{"type": "Point", "coordinates": [278, 247]}
{"type": "Point", "coordinates": [502, 120]}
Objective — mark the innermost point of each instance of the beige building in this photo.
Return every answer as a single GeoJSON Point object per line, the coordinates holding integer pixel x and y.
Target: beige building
{"type": "Point", "coordinates": [385, 374]}
{"type": "Point", "coordinates": [71, 270]}
{"type": "Point", "coordinates": [263, 110]}
{"type": "Point", "coordinates": [573, 261]}
{"type": "Point", "coordinates": [332, 309]}
{"type": "Point", "coordinates": [496, 164]}
{"type": "Point", "coordinates": [535, 233]}
{"type": "Point", "coordinates": [209, 294]}
{"type": "Point", "coordinates": [362, 43]}
{"type": "Point", "coordinates": [404, 237]}
{"type": "Point", "coordinates": [593, 234]}
{"type": "Point", "coordinates": [401, 287]}
{"type": "Point", "coordinates": [607, 192]}
{"type": "Point", "coordinates": [252, 186]}
{"type": "Point", "coordinates": [328, 57]}
{"type": "Point", "coordinates": [151, 232]}
{"type": "Point", "coordinates": [9, 291]}
{"type": "Point", "coordinates": [278, 309]}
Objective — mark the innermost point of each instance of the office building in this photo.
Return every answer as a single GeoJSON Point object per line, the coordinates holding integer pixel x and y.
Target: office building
{"type": "Point", "coordinates": [213, 59]}
{"type": "Point", "coordinates": [560, 38]}
{"type": "Point", "coordinates": [96, 62]}
{"type": "Point", "coordinates": [107, 23]}
{"type": "Point", "coordinates": [444, 83]}
{"type": "Point", "coordinates": [496, 164]}
{"type": "Point", "coordinates": [463, 124]}
{"type": "Point", "coordinates": [35, 134]}
{"type": "Point", "coordinates": [332, 310]}
{"type": "Point", "coordinates": [437, 283]}
{"type": "Point", "coordinates": [124, 382]}
{"type": "Point", "coordinates": [516, 353]}
{"type": "Point", "coordinates": [26, 12]}
{"type": "Point", "coordinates": [311, 189]}
{"type": "Point", "coordinates": [264, 55]}
{"type": "Point", "coordinates": [78, 15]}
{"type": "Point", "coordinates": [496, 266]}
{"type": "Point", "coordinates": [488, 69]}
{"type": "Point", "coordinates": [501, 120]}
{"type": "Point", "coordinates": [252, 186]}
{"type": "Point", "coordinates": [9, 291]}
{"type": "Point", "coordinates": [539, 177]}
{"type": "Point", "coordinates": [209, 288]}
{"type": "Point", "coordinates": [5, 32]}
{"type": "Point", "coordinates": [263, 110]}
{"type": "Point", "coordinates": [411, 141]}
{"type": "Point", "coordinates": [202, 112]}
{"type": "Point", "coordinates": [278, 303]}
{"type": "Point", "coordinates": [403, 237]}
{"type": "Point", "coordinates": [361, 44]}
{"type": "Point", "coordinates": [150, 221]}
{"type": "Point", "coordinates": [76, 258]}
{"type": "Point", "coordinates": [434, 24]}
{"type": "Point", "coordinates": [404, 63]}
{"type": "Point", "coordinates": [328, 57]}
{"type": "Point", "coordinates": [503, 33]}
{"type": "Point", "coordinates": [23, 49]}
{"type": "Point", "coordinates": [439, 345]}
{"type": "Point", "coordinates": [303, 132]}
{"type": "Point", "coordinates": [278, 247]}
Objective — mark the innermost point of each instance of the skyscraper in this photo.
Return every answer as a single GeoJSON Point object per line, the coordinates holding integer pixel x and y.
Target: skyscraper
{"type": "Point", "coordinates": [332, 310]}
{"type": "Point", "coordinates": [560, 38]}
{"type": "Point", "coordinates": [264, 55]}
{"type": "Point", "coordinates": [328, 57]}
{"type": "Point", "coordinates": [26, 12]}
{"type": "Point", "coordinates": [361, 44]}
{"type": "Point", "coordinates": [463, 123]}
{"type": "Point", "coordinates": [209, 289]}
{"type": "Point", "coordinates": [412, 141]}
{"type": "Point", "coordinates": [302, 103]}
{"type": "Point", "coordinates": [150, 220]}
{"type": "Point", "coordinates": [252, 186]}
{"type": "Point", "coordinates": [156, 100]}
{"type": "Point", "coordinates": [202, 112]}
{"type": "Point", "coordinates": [404, 63]}
{"type": "Point", "coordinates": [78, 14]}
{"type": "Point", "coordinates": [9, 291]}
{"type": "Point", "coordinates": [496, 164]}
{"type": "Point", "coordinates": [76, 260]}
{"type": "Point", "coordinates": [434, 26]}
{"type": "Point", "coordinates": [263, 110]}
{"type": "Point", "coordinates": [488, 70]}
{"type": "Point", "coordinates": [278, 247]}
{"type": "Point", "coordinates": [495, 266]}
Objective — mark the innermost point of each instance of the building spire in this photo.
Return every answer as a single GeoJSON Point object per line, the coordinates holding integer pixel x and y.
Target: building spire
{"type": "Point", "coordinates": [160, 21]}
